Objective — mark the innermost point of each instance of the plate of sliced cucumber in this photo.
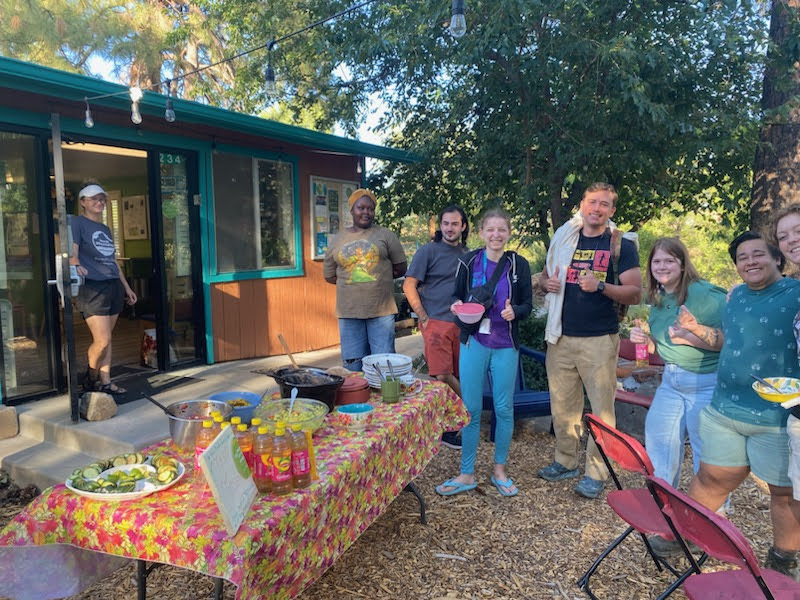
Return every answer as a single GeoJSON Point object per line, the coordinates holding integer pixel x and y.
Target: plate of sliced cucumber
{"type": "Point", "coordinates": [126, 476]}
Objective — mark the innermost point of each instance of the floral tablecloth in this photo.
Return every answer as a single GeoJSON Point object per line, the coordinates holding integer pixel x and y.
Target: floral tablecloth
{"type": "Point", "coordinates": [62, 543]}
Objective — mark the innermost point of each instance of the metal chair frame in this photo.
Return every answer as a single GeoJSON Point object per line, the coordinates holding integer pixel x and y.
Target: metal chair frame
{"type": "Point", "coordinates": [631, 456]}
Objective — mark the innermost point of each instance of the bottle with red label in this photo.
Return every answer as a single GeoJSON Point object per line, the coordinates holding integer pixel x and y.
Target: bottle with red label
{"type": "Point", "coordinates": [642, 355]}
{"type": "Point", "coordinates": [301, 464]}
{"type": "Point", "coordinates": [262, 460]}
{"type": "Point", "coordinates": [281, 461]}
{"type": "Point", "coordinates": [245, 439]}
{"type": "Point", "coordinates": [204, 438]}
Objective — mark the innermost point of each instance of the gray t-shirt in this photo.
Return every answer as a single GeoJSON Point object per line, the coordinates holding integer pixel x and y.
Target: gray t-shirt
{"type": "Point", "coordinates": [434, 265]}
{"type": "Point", "coordinates": [95, 249]}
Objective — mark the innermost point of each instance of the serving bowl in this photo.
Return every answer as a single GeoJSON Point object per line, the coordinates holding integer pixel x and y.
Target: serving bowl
{"type": "Point", "coordinates": [307, 412]}
{"type": "Point", "coordinates": [355, 417]}
{"type": "Point", "coordinates": [789, 386]}
{"type": "Point", "coordinates": [470, 312]}
{"type": "Point", "coordinates": [234, 399]}
{"type": "Point", "coordinates": [310, 382]}
{"type": "Point", "coordinates": [186, 418]}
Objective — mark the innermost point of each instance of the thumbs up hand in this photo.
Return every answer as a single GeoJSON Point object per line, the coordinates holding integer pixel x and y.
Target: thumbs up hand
{"type": "Point", "coordinates": [551, 284]}
{"type": "Point", "coordinates": [507, 313]}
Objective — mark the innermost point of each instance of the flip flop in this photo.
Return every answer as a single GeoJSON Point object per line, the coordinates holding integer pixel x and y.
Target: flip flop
{"type": "Point", "coordinates": [457, 485]}
{"type": "Point", "coordinates": [504, 484]}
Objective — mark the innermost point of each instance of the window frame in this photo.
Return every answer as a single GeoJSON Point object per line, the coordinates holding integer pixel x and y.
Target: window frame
{"type": "Point", "coordinates": [215, 276]}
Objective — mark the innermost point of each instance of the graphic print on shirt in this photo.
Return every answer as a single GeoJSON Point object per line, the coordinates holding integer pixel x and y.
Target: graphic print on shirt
{"type": "Point", "coordinates": [103, 243]}
{"type": "Point", "coordinates": [360, 259]}
{"type": "Point", "coordinates": [583, 261]}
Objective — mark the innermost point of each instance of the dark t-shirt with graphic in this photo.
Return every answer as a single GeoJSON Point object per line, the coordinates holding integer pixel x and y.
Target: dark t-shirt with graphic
{"type": "Point", "coordinates": [95, 249]}
{"type": "Point", "coordinates": [589, 314]}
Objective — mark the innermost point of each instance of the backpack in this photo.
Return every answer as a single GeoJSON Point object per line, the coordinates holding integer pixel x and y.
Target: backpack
{"type": "Point", "coordinates": [616, 249]}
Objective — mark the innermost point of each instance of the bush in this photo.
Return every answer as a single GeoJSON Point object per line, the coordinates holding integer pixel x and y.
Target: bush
{"type": "Point", "coordinates": [531, 334]}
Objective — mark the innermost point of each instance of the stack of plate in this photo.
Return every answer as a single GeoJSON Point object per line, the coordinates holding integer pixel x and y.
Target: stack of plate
{"type": "Point", "coordinates": [401, 366]}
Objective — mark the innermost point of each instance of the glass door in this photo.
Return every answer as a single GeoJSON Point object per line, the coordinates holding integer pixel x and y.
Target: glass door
{"type": "Point", "coordinates": [179, 237]}
{"type": "Point", "coordinates": [26, 363]}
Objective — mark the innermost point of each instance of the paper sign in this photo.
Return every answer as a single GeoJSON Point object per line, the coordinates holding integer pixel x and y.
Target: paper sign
{"type": "Point", "coordinates": [229, 478]}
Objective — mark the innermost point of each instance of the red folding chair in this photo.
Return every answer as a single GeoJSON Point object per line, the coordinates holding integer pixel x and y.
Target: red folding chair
{"type": "Point", "coordinates": [718, 537]}
{"type": "Point", "coordinates": [635, 506]}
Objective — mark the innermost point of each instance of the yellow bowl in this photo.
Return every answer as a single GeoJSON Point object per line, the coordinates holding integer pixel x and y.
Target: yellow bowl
{"type": "Point", "coordinates": [789, 386]}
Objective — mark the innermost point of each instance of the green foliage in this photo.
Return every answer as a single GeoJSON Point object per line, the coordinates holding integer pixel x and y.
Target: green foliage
{"type": "Point", "coordinates": [531, 333]}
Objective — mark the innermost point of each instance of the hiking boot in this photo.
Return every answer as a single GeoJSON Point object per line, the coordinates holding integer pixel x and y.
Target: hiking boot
{"type": "Point", "coordinates": [589, 488]}
{"type": "Point", "coordinates": [451, 439]}
{"type": "Point", "coordinates": [664, 547]}
{"type": "Point", "coordinates": [555, 471]}
{"type": "Point", "coordinates": [782, 561]}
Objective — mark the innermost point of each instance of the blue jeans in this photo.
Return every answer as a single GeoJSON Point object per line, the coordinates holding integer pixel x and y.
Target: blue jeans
{"type": "Point", "coordinates": [473, 363]}
{"type": "Point", "coordinates": [674, 414]}
{"type": "Point", "coordinates": [362, 337]}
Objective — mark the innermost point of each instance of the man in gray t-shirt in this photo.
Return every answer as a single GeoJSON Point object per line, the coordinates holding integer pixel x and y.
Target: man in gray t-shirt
{"type": "Point", "coordinates": [429, 287]}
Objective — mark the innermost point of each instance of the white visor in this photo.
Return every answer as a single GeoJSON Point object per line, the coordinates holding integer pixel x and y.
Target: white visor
{"type": "Point", "coordinates": [91, 190]}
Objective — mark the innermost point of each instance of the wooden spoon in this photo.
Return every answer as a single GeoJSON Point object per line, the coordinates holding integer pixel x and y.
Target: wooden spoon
{"type": "Point", "coordinates": [286, 348]}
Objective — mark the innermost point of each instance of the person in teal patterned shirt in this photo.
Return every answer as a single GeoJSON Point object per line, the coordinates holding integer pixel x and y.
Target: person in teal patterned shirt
{"type": "Point", "coordinates": [740, 431]}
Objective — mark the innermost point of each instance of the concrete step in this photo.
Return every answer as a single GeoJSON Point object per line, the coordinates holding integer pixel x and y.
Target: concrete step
{"type": "Point", "coordinates": [29, 461]}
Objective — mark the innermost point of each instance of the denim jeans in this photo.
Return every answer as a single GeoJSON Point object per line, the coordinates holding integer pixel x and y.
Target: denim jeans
{"type": "Point", "coordinates": [674, 414]}
{"type": "Point", "coordinates": [474, 361]}
{"type": "Point", "coordinates": [362, 337]}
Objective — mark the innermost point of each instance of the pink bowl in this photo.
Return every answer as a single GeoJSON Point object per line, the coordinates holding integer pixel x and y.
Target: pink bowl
{"type": "Point", "coordinates": [470, 312]}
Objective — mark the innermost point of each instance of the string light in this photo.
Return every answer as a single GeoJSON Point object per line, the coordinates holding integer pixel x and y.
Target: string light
{"type": "Point", "coordinates": [88, 121]}
{"type": "Point", "coordinates": [458, 27]}
{"type": "Point", "coordinates": [169, 111]}
{"type": "Point", "coordinates": [458, 24]}
{"type": "Point", "coordinates": [136, 96]}
{"type": "Point", "coordinates": [359, 170]}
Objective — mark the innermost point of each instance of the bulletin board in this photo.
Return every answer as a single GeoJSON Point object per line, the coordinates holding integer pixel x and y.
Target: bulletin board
{"type": "Point", "coordinates": [329, 211]}
{"type": "Point", "coordinates": [134, 217]}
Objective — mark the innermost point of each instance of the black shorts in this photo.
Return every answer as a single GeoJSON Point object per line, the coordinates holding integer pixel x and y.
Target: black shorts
{"type": "Point", "coordinates": [100, 298]}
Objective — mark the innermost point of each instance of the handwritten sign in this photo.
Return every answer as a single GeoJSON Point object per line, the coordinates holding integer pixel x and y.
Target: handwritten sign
{"type": "Point", "coordinates": [229, 478]}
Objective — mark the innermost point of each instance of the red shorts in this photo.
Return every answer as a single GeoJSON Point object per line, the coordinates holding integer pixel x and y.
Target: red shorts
{"type": "Point", "coordinates": [441, 347]}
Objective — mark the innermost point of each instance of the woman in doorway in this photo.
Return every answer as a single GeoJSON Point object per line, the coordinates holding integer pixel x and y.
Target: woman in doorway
{"type": "Point", "coordinates": [492, 347]}
{"type": "Point", "coordinates": [685, 327]}
{"type": "Point", "coordinates": [362, 261]}
{"type": "Point", "coordinates": [105, 289]}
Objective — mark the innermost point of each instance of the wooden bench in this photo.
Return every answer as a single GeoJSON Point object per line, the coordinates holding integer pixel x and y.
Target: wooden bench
{"type": "Point", "coordinates": [527, 402]}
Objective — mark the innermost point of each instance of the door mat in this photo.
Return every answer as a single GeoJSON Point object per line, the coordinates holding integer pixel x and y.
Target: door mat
{"type": "Point", "coordinates": [150, 383]}
{"type": "Point", "coordinates": [119, 371]}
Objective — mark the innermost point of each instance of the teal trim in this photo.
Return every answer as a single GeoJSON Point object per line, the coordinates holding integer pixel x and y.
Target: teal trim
{"type": "Point", "coordinates": [269, 273]}
{"type": "Point", "coordinates": [204, 171]}
{"type": "Point", "coordinates": [20, 75]}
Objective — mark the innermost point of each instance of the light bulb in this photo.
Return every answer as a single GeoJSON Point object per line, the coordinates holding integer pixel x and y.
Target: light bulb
{"type": "Point", "coordinates": [169, 112]}
{"type": "Point", "coordinates": [358, 167]}
{"type": "Point", "coordinates": [270, 87]}
{"type": "Point", "coordinates": [458, 24]}
{"type": "Point", "coordinates": [136, 116]}
{"type": "Point", "coordinates": [88, 121]}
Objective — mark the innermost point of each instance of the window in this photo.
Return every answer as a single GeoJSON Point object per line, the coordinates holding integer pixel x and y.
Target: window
{"type": "Point", "coordinates": [254, 214]}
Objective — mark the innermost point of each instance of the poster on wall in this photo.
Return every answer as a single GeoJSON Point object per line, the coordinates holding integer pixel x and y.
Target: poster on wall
{"type": "Point", "coordinates": [134, 217]}
{"type": "Point", "coordinates": [329, 211]}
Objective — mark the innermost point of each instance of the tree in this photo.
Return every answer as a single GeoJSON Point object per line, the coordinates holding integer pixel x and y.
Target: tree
{"type": "Point", "coordinates": [540, 98]}
{"type": "Point", "coordinates": [776, 178]}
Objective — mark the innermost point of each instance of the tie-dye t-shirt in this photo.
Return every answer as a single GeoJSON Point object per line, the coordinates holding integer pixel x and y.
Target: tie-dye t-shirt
{"type": "Point", "coordinates": [362, 263]}
{"type": "Point", "coordinates": [759, 338]}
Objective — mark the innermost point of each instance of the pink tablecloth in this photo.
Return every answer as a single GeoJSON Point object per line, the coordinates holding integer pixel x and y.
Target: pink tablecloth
{"type": "Point", "coordinates": [54, 547]}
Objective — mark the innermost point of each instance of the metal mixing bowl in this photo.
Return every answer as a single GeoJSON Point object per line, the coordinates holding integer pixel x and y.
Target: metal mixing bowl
{"type": "Point", "coordinates": [186, 418]}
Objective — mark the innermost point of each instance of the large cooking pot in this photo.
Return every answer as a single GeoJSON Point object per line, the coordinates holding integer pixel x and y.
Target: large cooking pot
{"type": "Point", "coordinates": [310, 382]}
{"type": "Point", "coordinates": [186, 418]}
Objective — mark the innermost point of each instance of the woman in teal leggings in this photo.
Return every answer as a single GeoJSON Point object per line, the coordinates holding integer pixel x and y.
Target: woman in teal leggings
{"type": "Point", "coordinates": [493, 348]}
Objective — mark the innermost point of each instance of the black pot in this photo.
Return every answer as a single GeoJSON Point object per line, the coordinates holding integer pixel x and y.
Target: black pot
{"type": "Point", "coordinates": [310, 383]}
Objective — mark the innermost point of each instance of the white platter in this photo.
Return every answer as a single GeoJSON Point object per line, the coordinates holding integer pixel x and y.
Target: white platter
{"type": "Point", "coordinates": [399, 361]}
{"type": "Point", "coordinates": [143, 487]}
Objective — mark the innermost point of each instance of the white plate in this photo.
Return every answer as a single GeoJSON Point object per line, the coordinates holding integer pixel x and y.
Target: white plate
{"type": "Point", "coordinates": [397, 360]}
{"type": "Point", "coordinates": [143, 488]}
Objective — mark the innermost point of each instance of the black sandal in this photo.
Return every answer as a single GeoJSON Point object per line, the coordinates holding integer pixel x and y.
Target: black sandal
{"type": "Point", "coordinates": [110, 388]}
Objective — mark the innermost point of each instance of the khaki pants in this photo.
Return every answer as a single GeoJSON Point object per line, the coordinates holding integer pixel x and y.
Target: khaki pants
{"type": "Point", "coordinates": [572, 364]}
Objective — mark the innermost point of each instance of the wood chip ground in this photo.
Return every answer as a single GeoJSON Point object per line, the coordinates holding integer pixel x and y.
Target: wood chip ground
{"type": "Point", "coordinates": [477, 545]}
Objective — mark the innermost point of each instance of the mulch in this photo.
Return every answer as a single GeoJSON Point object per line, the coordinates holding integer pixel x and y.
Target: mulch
{"type": "Point", "coordinates": [476, 545]}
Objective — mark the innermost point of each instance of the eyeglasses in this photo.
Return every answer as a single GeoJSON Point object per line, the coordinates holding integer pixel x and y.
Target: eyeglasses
{"type": "Point", "coordinates": [103, 199]}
